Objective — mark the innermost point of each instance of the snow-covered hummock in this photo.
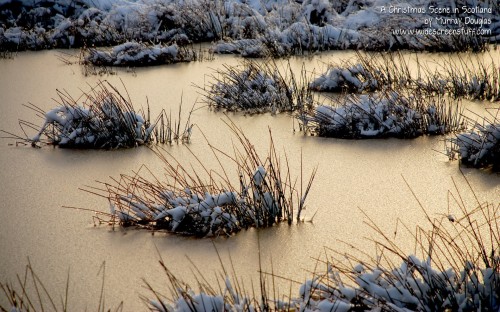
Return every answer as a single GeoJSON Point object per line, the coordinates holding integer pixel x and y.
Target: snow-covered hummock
{"type": "Point", "coordinates": [414, 286]}
{"type": "Point", "coordinates": [354, 78]}
{"type": "Point", "coordinates": [193, 214]}
{"type": "Point", "coordinates": [222, 214]}
{"type": "Point", "coordinates": [101, 124]}
{"type": "Point", "coordinates": [378, 115]}
{"type": "Point", "coordinates": [253, 88]}
{"type": "Point", "coordinates": [463, 79]}
{"type": "Point", "coordinates": [139, 54]}
{"type": "Point", "coordinates": [480, 147]}
{"type": "Point", "coordinates": [245, 47]}
{"type": "Point", "coordinates": [189, 300]}
{"type": "Point", "coordinates": [190, 212]}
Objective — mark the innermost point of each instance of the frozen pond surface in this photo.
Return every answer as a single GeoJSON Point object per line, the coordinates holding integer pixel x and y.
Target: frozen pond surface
{"type": "Point", "coordinates": [352, 175]}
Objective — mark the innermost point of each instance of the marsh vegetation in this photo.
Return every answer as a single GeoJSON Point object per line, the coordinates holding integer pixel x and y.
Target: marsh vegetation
{"type": "Point", "coordinates": [245, 181]}
{"type": "Point", "coordinates": [470, 76]}
{"type": "Point", "coordinates": [208, 202]}
{"type": "Point", "coordinates": [102, 118]}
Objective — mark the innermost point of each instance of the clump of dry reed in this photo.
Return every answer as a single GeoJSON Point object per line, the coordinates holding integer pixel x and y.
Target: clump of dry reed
{"type": "Point", "coordinates": [366, 72]}
{"type": "Point", "coordinates": [472, 77]}
{"type": "Point", "coordinates": [384, 114]}
{"type": "Point", "coordinates": [468, 76]}
{"type": "Point", "coordinates": [456, 266]}
{"type": "Point", "coordinates": [479, 147]}
{"type": "Point", "coordinates": [257, 87]}
{"type": "Point", "coordinates": [101, 118]}
{"type": "Point", "coordinates": [140, 54]}
{"type": "Point", "coordinates": [206, 202]}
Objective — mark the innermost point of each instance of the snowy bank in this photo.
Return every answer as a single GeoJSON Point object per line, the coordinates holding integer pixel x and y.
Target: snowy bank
{"type": "Point", "coordinates": [202, 203]}
{"type": "Point", "coordinates": [388, 114]}
{"type": "Point", "coordinates": [279, 26]}
{"type": "Point", "coordinates": [101, 118]}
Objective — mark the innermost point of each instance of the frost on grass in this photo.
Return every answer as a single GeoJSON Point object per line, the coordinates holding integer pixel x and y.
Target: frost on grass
{"type": "Point", "coordinates": [281, 27]}
{"type": "Point", "coordinates": [139, 54]}
{"type": "Point", "coordinates": [205, 202]}
{"type": "Point", "coordinates": [101, 118]}
{"type": "Point", "coordinates": [472, 76]}
{"type": "Point", "coordinates": [389, 114]}
{"type": "Point", "coordinates": [479, 147]}
{"type": "Point", "coordinates": [256, 87]}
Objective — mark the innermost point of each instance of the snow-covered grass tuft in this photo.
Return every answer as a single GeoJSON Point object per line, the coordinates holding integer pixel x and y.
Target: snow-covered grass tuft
{"type": "Point", "coordinates": [257, 87]}
{"type": "Point", "coordinates": [367, 72]}
{"type": "Point", "coordinates": [388, 114]}
{"type": "Point", "coordinates": [101, 118]}
{"type": "Point", "coordinates": [480, 146]}
{"type": "Point", "coordinates": [140, 54]}
{"type": "Point", "coordinates": [205, 202]}
{"type": "Point", "coordinates": [470, 76]}
{"type": "Point", "coordinates": [456, 266]}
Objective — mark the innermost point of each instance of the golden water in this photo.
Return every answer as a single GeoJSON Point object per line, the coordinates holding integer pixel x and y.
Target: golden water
{"type": "Point", "coordinates": [352, 176]}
